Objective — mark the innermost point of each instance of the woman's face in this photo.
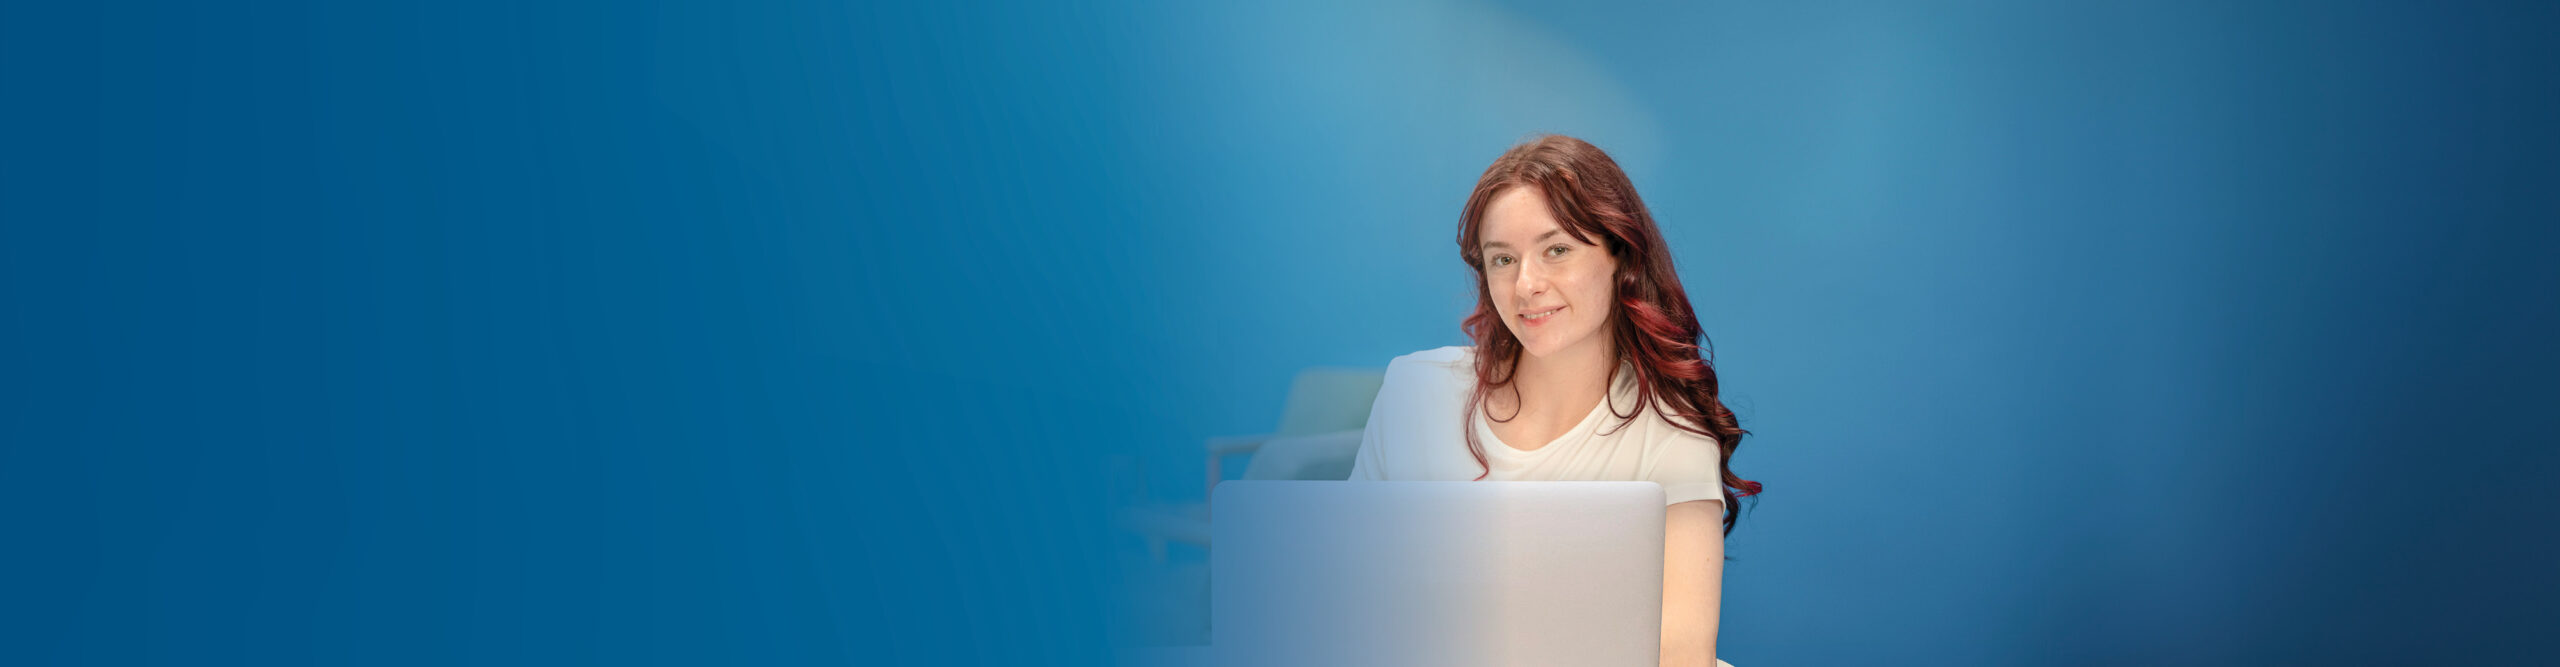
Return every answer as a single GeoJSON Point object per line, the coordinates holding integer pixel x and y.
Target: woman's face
{"type": "Point", "coordinates": [1554, 293]}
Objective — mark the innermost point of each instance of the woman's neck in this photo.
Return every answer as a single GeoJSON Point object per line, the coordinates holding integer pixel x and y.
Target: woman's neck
{"type": "Point", "coordinates": [1568, 383]}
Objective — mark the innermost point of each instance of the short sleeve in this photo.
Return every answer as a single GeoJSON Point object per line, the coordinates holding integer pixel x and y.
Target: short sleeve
{"type": "Point", "coordinates": [1369, 465]}
{"type": "Point", "coordinates": [1365, 466]}
{"type": "Point", "coordinates": [1405, 435]}
{"type": "Point", "coordinates": [1688, 469]}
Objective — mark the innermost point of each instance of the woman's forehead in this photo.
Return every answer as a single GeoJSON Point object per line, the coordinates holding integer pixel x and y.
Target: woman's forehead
{"type": "Point", "coordinates": [1518, 215]}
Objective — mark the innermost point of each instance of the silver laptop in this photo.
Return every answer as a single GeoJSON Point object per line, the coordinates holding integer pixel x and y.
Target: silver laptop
{"type": "Point", "coordinates": [1307, 573]}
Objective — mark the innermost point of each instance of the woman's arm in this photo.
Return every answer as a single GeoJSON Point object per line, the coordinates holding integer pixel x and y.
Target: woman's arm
{"type": "Point", "coordinates": [1692, 582]}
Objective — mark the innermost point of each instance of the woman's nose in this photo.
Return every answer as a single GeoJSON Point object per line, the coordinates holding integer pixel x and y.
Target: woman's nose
{"type": "Point", "coordinates": [1530, 280]}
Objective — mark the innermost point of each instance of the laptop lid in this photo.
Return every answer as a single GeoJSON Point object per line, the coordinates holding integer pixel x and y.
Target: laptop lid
{"type": "Point", "coordinates": [1436, 573]}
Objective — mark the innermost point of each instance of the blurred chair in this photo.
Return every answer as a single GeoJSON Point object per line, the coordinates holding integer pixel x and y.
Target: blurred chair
{"type": "Point", "coordinates": [1321, 401]}
{"type": "Point", "coordinates": [1319, 436]}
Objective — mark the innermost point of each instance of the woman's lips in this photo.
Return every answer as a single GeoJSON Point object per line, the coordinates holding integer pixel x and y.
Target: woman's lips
{"type": "Point", "coordinates": [1548, 314]}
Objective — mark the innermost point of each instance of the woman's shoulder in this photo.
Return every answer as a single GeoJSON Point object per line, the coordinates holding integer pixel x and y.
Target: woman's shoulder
{"type": "Point", "coordinates": [1425, 379]}
{"type": "Point", "coordinates": [1667, 429]}
{"type": "Point", "coordinates": [1453, 355]}
{"type": "Point", "coordinates": [1415, 430]}
{"type": "Point", "coordinates": [1441, 367]}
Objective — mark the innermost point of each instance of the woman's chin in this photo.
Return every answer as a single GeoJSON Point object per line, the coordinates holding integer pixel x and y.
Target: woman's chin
{"type": "Point", "coordinates": [1546, 346]}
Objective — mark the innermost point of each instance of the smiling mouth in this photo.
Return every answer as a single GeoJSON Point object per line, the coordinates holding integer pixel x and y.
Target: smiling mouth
{"type": "Point", "coordinates": [1541, 315]}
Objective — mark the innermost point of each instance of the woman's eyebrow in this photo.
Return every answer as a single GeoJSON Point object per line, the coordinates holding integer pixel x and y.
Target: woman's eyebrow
{"type": "Point", "coordinates": [1489, 245]}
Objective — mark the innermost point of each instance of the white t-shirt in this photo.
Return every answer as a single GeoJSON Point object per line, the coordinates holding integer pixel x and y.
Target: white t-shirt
{"type": "Point", "coordinates": [1413, 435]}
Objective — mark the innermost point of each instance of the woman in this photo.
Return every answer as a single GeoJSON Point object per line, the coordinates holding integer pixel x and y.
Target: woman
{"type": "Point", "coordinates": [1586, 365]}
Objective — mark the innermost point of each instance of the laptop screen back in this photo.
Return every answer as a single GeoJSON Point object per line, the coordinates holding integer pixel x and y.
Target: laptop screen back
{"type": "Point", "coordinates": [1436, 573]}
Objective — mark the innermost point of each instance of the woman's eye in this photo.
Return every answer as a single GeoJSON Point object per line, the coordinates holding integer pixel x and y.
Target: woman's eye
{"type": "Point", "coordinates": [1558, 251]}
{"type": "Point", "coordinates": [1501, 260]}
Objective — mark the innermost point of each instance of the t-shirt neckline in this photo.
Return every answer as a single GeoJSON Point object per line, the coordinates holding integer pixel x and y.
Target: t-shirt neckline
{"type": "Point", "coordinates": [1484, 424]}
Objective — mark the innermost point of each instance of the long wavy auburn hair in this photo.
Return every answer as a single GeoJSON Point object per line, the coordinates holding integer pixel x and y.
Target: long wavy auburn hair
{"type": "Point", "coordinates": [1652, 326]}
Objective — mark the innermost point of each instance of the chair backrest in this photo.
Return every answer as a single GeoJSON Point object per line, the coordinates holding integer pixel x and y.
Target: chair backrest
{"type": "Point", "coordinates": [1318, 456]}
{"type": "Point", "coordinates": [1326, 399]}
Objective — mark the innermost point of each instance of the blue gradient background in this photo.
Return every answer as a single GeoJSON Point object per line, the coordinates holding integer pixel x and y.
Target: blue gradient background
{"type": "Point", "coordinates": [468, 333]}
